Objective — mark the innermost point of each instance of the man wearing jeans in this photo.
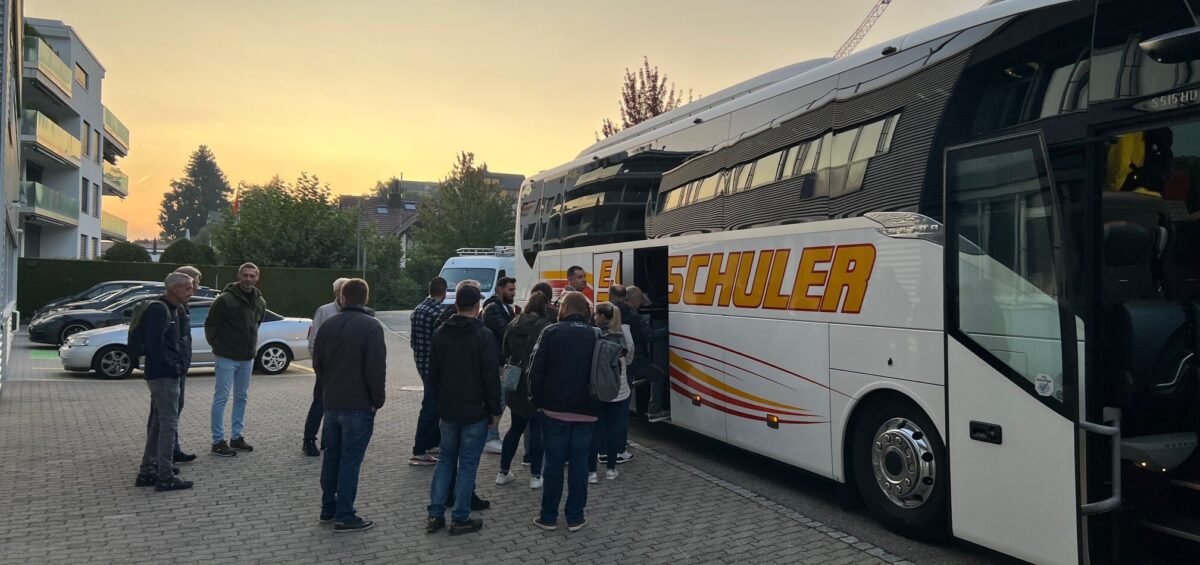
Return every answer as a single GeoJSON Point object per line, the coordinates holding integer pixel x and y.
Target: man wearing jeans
{"type": "Point", "coordinates": [464, 375]}
{"type": "Point", "coordinates": [424, 322]}
{"type": "Point", "coordinates": [316, 410]}
{"type": "Point", "coordinates": [351, 367]}
{"type": "Point", "coordinates": [161, 335]}
{"type": "Point", "coordinates": [232, 331]}
{"type": "Point", "coordinates": [560, 370]}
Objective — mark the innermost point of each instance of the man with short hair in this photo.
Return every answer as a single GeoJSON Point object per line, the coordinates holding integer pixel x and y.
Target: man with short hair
{"type": "Point", "coordinates": [559, 385]}
{"type": "Point", "coordinates": [312, 423]}
{"type": "Point", "coordinates": [464, 375]}
{"type": "Point", "coordinates": [180, 456]}
{"type": "Point", "coordinates": [424, 321]}
{"type": "Point", "coordinates": [351, 367]}
{"type": "Point", "coordinates": [498, 311]}
{"type": "Point", "coordinates": [577, 278]}
{"type": "Point", "coordinates": [232, 331]}
{"type": "Point", "coordinates": [161, 334]}
{"type": "Point", "coordinates": [643, 368]}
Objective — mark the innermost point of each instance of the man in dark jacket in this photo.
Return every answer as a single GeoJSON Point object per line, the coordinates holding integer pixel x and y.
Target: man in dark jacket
{"type": "Point", "coordinates": [232, 331]}
{"type": "Point", "coordinates": [161, 334]}
{"type": "Point", "coordinates": [498, 311]}
{"type": "Point", "coordinates": [351, 367]}
{"type": "Point", "coordinates": [465, 375]}
{"type": "Point", "coordinates": [559, 384]}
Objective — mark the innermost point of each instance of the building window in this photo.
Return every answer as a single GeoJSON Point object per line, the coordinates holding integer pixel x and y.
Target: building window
{"type": "Point", "coordinates": [96, 143]}
{"type": "Point", "coordinates": [87, 139]}
{"type": "Point", "coordinates": [381, 210]}
{"type": "Point", "coordinates": [95, 200]}
{"type": "Point", "coordinates": [83, 197]}
{"type": "Point", "coordinates": [95, 247]}
{"type": "Point", "coordinates": [83, 247]}
{"type": "Point", "coordinates": [81, 76]}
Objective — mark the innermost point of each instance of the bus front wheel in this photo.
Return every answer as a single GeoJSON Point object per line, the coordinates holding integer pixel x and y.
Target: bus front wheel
{"type": "Point", "coordinates": [900, 466]}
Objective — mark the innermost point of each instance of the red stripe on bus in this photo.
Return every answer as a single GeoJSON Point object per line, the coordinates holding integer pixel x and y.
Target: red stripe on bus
{"type": "Point", "coordinates": [729, 399]}
{"type": "Point", "coordinates": [757, 360]}
{"type": "Point", "coordinates": [710, 404]}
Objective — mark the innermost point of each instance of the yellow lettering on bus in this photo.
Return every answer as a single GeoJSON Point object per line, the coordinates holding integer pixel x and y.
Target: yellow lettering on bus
{"type": "Point", "coordinates": [675, 280]}
{"type": "Point", "coordinates": [696, 263]}
{"type": "Point", "coordinates": [808, 276]}
{"type": "Point", "coordinates": [749, 294]}
{"type": "Point", "coordinates": [724, 277]}
{"type": "Point", "coordinates": [849, 275]}
{"type": "Point", "coordinates": [775, 298]}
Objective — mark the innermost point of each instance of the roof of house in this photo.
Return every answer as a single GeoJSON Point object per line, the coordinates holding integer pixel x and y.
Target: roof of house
{"type": "Point", "coordinates": [387, 215]}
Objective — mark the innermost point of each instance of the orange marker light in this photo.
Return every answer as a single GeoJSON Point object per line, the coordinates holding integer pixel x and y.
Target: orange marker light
{"type": "Point", "coordinates": [773, 421]}
{"type": "Point", "coordinates": [695, 399]}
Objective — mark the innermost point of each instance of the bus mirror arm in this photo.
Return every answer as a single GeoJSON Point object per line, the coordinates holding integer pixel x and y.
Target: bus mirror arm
{"type": "Point", "coordinates": [1113, 431]}
{"type": "Point", "coordinates": [1179, 46]}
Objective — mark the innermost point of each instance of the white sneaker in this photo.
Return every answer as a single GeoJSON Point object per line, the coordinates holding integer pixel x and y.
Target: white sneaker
{"type": "Point", "coordinates": [505, 478]}
{"type": "Point", "coordinates": [611, 474]}
{"type": "Point", "coordinates": [535, 483]}
{"type": "Point", "coordinates": [592, 479]}
{"type": "Point", "coordinates": [494, 447]}
{"type": "Point", "coordinates": [624, 457]}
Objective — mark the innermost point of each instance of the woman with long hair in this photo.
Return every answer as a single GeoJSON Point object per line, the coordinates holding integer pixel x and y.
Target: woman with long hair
{"type": "Point", "coordinates": [519, 338]}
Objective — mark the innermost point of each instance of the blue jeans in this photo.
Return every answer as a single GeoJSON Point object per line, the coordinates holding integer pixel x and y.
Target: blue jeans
{"type": "Point", "coordinates": [231, 375]}
{"type": "Point", "coordinates": [345, 435]}
{"type": "Point", "coordinates": [462, 445]}
{"type": "Point", "coordinates": [565, 442]}
{"type": "Point", "coordinates": [428, 435]}
{"type": "Point", "coordinates": [611, 431]}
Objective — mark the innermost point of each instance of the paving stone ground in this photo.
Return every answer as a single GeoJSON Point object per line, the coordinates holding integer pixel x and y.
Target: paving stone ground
{"type": "Point", "coordinates": [70, 445]}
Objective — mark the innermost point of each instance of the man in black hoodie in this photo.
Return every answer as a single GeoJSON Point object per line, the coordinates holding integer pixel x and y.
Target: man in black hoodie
{"type": "Point", "coordinates": [351, 367]}
{"type": "Point", "coordinates": [464, 372]}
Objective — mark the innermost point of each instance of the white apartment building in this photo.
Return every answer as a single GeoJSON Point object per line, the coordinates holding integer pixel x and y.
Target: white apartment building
{"type": "Point", "coordinates": [11, 41]}
{"type": "Point", "coordinates": [70, 146]}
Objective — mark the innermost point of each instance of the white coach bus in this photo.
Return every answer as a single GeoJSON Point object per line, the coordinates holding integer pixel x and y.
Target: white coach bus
{"type": "Point", "coordinates": [956, 271]}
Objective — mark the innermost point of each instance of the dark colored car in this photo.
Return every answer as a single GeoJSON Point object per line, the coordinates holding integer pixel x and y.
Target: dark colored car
{"type": "Point", "coordinates": [105, 299]}
{"type": "Point", "coordinates": [57, 327]}
{"type": "Point", "coordinates": [95, 291]}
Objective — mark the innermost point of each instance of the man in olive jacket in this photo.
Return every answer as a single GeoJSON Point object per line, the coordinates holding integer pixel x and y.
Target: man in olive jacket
{"type": "Point", "coordinates": [232, 331]}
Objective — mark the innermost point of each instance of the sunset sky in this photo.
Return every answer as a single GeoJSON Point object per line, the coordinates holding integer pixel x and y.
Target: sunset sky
{"type": "Point", "coordinates": [356, 91]}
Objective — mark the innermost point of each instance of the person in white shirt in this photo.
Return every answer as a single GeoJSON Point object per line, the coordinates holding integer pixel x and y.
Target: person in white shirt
{"type": "Point", "coordinates": [312, 423]}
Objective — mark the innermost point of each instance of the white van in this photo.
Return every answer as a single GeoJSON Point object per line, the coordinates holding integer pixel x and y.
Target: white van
{"type": "Point", "coordinates": [483, 264]}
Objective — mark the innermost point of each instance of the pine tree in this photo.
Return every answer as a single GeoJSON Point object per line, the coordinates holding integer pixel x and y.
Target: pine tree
{"type": "Point", "coordinates": [202, 190]}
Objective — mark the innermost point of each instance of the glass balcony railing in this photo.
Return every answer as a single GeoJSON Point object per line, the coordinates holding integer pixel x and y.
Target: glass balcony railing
{"type": "Point", "coordinates": [115, 128]}
{"type": "Point", "coordinates": [41, 200]}
{"type": "Point", "coordinates": [114, 227]}
{"type": "Point", "coordinates": [116, 182]}
{"type": "Point", "coordinates": [38, 54]}
{"type": "Point", "coordinates": [51, 136]}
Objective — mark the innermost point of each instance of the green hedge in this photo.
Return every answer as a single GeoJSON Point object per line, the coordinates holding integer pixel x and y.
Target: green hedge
{"type": "Point", "coordinates": [290, 292]}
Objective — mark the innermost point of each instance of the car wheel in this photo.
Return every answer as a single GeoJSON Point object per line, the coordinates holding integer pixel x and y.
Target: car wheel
{"type": "Point", "coordinates": [900, 465]}
{"type": "Point", "coordinates": [113, 362]}
{"type": "Point", "coordinates": [70, 330]}
{"type": "Point", "coordinates": [273, 359]}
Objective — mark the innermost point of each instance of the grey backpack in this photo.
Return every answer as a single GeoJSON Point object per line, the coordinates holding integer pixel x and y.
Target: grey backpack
{"type": "Point", "coordinates": [606, 365]}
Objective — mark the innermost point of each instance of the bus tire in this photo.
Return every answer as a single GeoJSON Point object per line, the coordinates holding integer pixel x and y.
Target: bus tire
{"type": "Point", "coordinates": [900, 465]}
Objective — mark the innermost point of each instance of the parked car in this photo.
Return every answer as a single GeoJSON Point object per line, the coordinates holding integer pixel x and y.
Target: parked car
{"type": "Point", "coordinates": [144, 289]}
{"type": "Point", "coordinates": [56, 327]}
{"type": "Point", "coordinates": [89, 294]}
{"type": "Point", "coordinates": [280, 341]}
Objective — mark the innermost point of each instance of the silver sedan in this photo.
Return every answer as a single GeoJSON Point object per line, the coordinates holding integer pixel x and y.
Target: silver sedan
{"type": "Point", "coordinates": [280, 341]}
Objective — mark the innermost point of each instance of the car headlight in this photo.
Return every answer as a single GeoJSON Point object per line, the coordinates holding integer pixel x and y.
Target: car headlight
{"type": "Point", "coordinates": [77, 341]}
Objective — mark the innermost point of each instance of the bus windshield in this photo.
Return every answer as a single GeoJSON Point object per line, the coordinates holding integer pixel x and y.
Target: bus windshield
{"type": "Point", "coordinates": [455, 275]}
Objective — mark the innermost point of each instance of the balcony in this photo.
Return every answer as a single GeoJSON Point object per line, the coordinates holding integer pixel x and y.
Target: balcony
{"type": "Point", "coordinates": [53, 146]}
{"type": "Point", "coordinates": [113, 227]}
{"type": "Point", "coordinates": [115, 133]}
{"type": "Point", "coordinates": [116, 183]}
{"type": "Point", "coordinates": [50, 71]}
{"type": "Point", "coordinates": [48, 206]}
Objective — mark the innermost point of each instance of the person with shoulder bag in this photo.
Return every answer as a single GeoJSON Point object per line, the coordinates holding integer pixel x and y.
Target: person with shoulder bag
{"type": "Point", "coordinates": [519, 338]}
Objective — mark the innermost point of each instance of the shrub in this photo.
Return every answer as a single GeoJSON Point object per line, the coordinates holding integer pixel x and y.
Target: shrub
{"type": "Point", "coordinates": [126, 252]}
{"type": "Point", "coordinates": [184, 252]}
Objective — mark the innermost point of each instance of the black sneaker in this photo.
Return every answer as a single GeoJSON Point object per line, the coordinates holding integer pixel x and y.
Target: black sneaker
{"type": "Point", "coordinates": [479, 503]}
{"type": "Point", "coordinates": [145, 480]}
{"type": "Point", "coordinates": [182, 457]}
{"type": "Point", "coordinates": [432, 524]}
{"type": "Point", "coordinates": [324, 519]}
{"type": "Point", "coordinates": [576, 526]}
{"type": "Point", "coordinates": [526, 461]}
{"type": "Point", "coordinates": [548, 527]}
{"type": "Point", "coordinates": [467, 527]}
{"type": "Point", "coordinates": [240, 444]}
{"type": "Point", "coordinates": [355, 525]}
{"type": "Point", "coordinates": [173, 483]}
{"type": "Point", "coordinates": [310, 448]}
{"type": "Point", "coordinates": [222, 449]}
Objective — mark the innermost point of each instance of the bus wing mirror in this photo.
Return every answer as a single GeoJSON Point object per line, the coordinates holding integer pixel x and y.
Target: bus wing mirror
{"type": "Point", "coordinates": [1178, 46]}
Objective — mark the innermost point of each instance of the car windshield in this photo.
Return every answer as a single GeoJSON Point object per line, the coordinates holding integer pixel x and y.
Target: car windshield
{"type": "Point", "coordinates": [454, 275]}
{"type": "Point", "coordinates": [126, 303]}
{"type": "Point", "coordinates": [104, 296]}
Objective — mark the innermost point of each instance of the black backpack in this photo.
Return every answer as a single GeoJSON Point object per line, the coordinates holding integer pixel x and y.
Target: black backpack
{"type": "Point", "coordinates": [137, 334]}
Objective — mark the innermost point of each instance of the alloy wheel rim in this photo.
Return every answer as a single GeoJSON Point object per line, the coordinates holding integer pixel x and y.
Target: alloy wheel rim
{"type": "Point", "coordinates": [274, 359]}
{"type": "Point", "coordinates": [114, 363]}
{"type": "Point", "coordinates": [903, 462]}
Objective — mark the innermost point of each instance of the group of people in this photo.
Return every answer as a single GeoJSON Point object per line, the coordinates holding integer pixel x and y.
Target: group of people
{"type": "Point", "coordinates": [160, 340]}
{"type": "Point", "coordinates": [463, 353]}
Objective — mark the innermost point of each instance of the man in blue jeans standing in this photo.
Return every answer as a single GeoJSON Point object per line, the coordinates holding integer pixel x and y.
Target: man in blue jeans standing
{"type": "Point", "coordinates": [232, 331]}
{"type": "Point", "coordinates": [351, 367]}
{"type": "Point", "coordinates": [560, 370]}
{"type": "Point", "coordinates": [464, 374]}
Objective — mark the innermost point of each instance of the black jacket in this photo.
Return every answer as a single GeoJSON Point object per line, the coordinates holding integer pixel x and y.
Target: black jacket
{"type": "Point", "coordinates": [496, 318]}
{"type": "Point", "coordinates": [519, 340]}
{"type": "Point", "coordinates": [351, 360]}
{"type": "Point", "coordinates": [560, 371]}
{"type": "Point", "coordinates": [232, 324]}
{"type": "Point", "coordinates": [167, 352]}
{"type": "Point", "coordinates": [463, 371]}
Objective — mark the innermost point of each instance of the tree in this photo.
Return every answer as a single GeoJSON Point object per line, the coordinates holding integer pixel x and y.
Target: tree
{"type": "Point", "coordinates": [288, 225]}
{"type": "Point", "coordinates": [184, 252]}
{"type": "Point", "coordinates": [123, 251]}
{"type": "Point", "coordinates": [384, 188]}
{"type": "Point", "coordinates": [643, 95]}
{"type": "Point", "coordinates": [202, 190]}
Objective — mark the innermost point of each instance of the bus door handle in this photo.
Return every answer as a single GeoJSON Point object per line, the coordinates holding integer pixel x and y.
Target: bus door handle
{"type": "Point", "coordinates": [1113, 431]}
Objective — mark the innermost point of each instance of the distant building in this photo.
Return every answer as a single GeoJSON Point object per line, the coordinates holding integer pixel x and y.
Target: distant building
{"type": "Point", "coordinates": [507, 182]}
{"type": "Point", "coordinates": [71, 143]}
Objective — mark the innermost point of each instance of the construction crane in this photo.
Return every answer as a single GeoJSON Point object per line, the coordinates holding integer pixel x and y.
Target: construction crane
{"type": "Point", "coordinates": [863, 28]}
